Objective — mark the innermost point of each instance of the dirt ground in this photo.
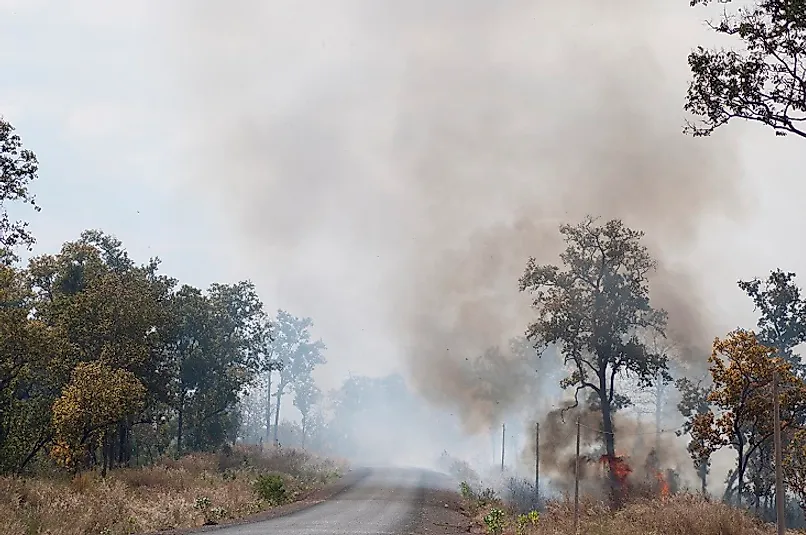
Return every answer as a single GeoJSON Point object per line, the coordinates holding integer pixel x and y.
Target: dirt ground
{"type": "Point", "coordinates": [442, 514]}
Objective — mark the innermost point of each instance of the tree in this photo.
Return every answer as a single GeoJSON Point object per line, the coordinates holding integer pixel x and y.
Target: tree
{"type": "Point", "coordinates": [362, 405]}
{"type": "Point", "coordinates": [782, 321]}
{"type": "Point", "coordinates": [741, 413]}
{"type": "Point", "coordinates": [595, 310]}
{"type": "Point", "coordinates": [782, 326]}
{"type": "Point", "coordinates": [765, 82]}
{"type": "Point", "coordinates": [27, 385]}
{"type": "Point", "coordinates": [214, 350]}
{"type": "Point", "coordinates": [694, 402]}
{"type": "Point", "coordinates": [299, 354]}
{"type": "Point", "coordinates": [108, 310]}
{"type": "Point", "coordinates": [306, 395]}
{"type": "Point", "coordinates": [104, 358]}
{"type": "Point", "coordinates": [267, 363]}
{"type": "Point", "coordinates": [795, 466]}
{"type": "Point", "coordinates": [245, 333]}
{"type": "Point", "coordinates": [192, 340]}
{"type": "Point", "coordinates": [18, 168]}
{"type": "Point", "coordinates": [96, 398]}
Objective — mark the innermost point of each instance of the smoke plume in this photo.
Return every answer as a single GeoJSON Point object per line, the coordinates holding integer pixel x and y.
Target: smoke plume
{"type": "Point", "coordinates": [636, 443]}
{"type": "Point", "coordinates": [394, 164]}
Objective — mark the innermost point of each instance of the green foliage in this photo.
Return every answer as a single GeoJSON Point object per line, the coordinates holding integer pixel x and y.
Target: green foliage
{"type": "Point", "coordinates": [794, 466]}
{"type": "Point", "coordinates": [465, 490]}
{"type": "Point", "coordinates": [27, 392]}
{"type": "Point", "coordinates": [494, 521]}
{"type": "Point", "coordinates": [596, 310]}
{"type": "Point", "coordinates": [212, 347]}
{"type": "Point", "coordinates": [96, 398]}
{"type": "Point", "coordinates": [528, 519]}
{"type": "Point", "coordinates": [104, 362]}
{"type": "Point", "coordinates": [103, 359]}
{"type": "Point", "coordinates": [481, 499]}
{"type": "Point", "coordinates": [202, 503]}
{"type": "Point", "coordinates": [306, 395]}
{"type": "Point", "coordinates": [694, 403]}
{"type": "Point", "coordinates": [212, 515]}
{"type": "Point", "coordinates": [742, 404]}
{"type": "Point", "coordinates": [764, 81]}
{"type": "Point", "coordinates": [596, 307]}
{"type": "Point", "coordinates": [782, 314]}
{"type": "Point", "coordinates": [271, 489]}
{"type": "Point", "coordinates": [298, 354]}
{"type": "Point", "coordinates": [18, 168]}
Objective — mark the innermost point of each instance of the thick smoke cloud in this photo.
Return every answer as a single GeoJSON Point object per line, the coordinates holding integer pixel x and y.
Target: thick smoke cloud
{"type": "Point", "coordinates": [636, 442]}
{"type": "Point", "coordinates": [394, 164]}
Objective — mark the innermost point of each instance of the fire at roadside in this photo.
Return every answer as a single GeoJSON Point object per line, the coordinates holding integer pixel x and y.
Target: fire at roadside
{"type": "Point", "coordinates": [646, 463]}
{"type": "Point", "coordinates": [647, 480]}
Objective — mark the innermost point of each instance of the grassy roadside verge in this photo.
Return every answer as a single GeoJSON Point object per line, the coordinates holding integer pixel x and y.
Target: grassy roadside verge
{"type": "Point", "coordinates": [681, 514]}
{"type": "Point", "coordinates": [196, 490]}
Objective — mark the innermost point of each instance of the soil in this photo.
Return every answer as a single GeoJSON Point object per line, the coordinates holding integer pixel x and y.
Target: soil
{"type": "Point", "coordinates": [442, 514]}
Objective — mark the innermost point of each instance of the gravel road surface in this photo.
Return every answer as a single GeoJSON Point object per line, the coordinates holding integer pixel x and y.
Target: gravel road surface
{"type": "Point", "coordinates": [384, 501]}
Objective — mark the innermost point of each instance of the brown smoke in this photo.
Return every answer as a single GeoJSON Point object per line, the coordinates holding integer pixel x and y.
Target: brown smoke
{"type": "Point", "coordinates": [395, 163]}
{"type": "Point", "coordinates": [496, 154]}
{"type": "Point", "coordinates": [635, 442]}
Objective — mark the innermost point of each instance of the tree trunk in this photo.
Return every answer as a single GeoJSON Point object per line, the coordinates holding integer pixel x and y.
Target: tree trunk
{"type": "Point", "coordinates": [31, 454]}
{"type": "Point", "coordinates": [104, 454]}
{"type": "Point", "coordinates": [124, 444]}
{"type": "Point", "coordinates": [278, 397]}
{"type": "Point", "coordinates": [304, 421]}
{"type": "Point", "coordinates": [268, 406]}
{"type": "Point", "coordinates": [610, 443]}
{"type": "Point", "coordinates": [494, 442]}
{"type": "Point", "coordinates": [740, 474]}
{"type": "Point", "coordinates": [179, 425]}
{"type": "Point", "coordinates": [728, 494]}
{"type": "Point", "coordinates": [659, 392]}
{"type": "Point", "coordinates": [702, 471]}
{"type": "Point", "coordinates": [121, 435]}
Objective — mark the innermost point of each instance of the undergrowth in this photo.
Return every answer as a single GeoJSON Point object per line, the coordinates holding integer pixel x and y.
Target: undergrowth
{"type": "Point", "coordinates": [195, 490]}
{"type": "Point", "coordinates": [680, 514]}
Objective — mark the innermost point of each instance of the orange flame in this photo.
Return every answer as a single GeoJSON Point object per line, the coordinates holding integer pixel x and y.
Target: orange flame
{"type": "Point", "coordinates": [618, 466]}
{"type": "Point", "coordinates": [663, 485]}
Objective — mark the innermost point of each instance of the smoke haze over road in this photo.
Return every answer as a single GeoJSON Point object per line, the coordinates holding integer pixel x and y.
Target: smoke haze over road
{"type": "Point", "coordinates": [398, 165]}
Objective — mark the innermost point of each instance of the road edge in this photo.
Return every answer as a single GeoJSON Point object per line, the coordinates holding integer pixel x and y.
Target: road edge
{"type": "Point", "coordinates": [311, 500]}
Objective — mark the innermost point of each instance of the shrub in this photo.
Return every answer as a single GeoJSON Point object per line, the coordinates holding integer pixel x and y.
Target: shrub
{"type": "Point", "coordinates": [212, 515]}
{"type": "Point", "coordinates": [466, 491]}
{"type": "Point", "coordinates": [271, 489]}
{"type": "Point", "coordinates": [494, 520]}
{"type": "Point", "coordinates": [529, 519]}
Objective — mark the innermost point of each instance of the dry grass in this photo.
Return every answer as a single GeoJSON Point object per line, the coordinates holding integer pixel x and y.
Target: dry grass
{"type": "Point", "coordinates": [167, 495]}
{"type": "Point", "coordinates": [677, 515]}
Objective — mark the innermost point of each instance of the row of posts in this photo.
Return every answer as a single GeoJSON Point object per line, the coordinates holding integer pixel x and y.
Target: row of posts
{"type": "Point", "coordinates": [779, 480]}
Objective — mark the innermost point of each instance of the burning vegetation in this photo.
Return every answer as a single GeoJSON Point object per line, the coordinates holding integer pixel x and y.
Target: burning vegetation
{"type": "Point", "coordinates": [595, 310]}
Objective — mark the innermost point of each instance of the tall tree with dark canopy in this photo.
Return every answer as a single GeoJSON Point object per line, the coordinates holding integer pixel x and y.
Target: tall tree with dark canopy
{"type": "Point", "coordinates": [596, 309]}
{"type": "Point", "coordinates": [298, 353]}
{"type": "Point", "coordinates": [781, 327]}
{"type": "Point", "coordinates": [765, 81]}
{"type": "Point", "coordinates": [228, 332]}
{"type": "Point", "coordinates": [18, 168]}
{"type": "Point", "coordinates": [107, 309]}
{"type": "Point", "coordinates": [306, 395]}
{"type": "Point", "coordinates": [782, 320]}
{"type": "Point", "coordinates": [694, 402]}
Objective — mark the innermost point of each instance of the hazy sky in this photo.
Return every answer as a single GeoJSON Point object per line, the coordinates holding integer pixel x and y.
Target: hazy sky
{"type": "Point", "coordinates": [100, 91]}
